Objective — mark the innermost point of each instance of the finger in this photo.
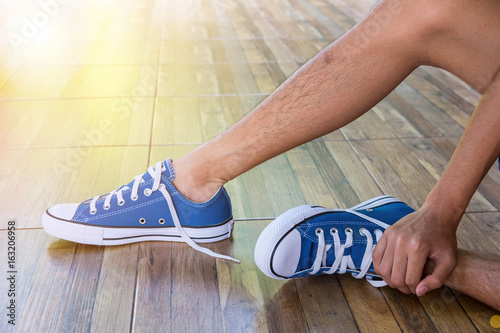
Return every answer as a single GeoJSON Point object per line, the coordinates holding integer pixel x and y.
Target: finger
{"type": "Point", "coordinates": [416, 264]}
{"type": "Point", "coordinates": [441, 271]}
{"type": "Point", "coordinates": [378, 252]}
{"type": "Point", "coordinates": [398, 275]}
{"type": "Point", "coordinates": [385, 266]}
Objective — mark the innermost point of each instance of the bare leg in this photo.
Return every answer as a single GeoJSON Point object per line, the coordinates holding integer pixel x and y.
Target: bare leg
{"type": "Point", "coordinates": [476, 275]}
{"type": "Point", "coordinates": [346, 79]}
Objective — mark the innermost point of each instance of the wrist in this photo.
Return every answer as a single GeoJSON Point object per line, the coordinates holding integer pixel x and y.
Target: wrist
{"type": "Point", "coordinates": [444, 208]}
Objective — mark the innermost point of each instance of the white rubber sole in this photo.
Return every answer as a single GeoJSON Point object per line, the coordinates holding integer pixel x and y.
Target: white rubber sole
{"type": "Point", "coordinates": [275, 231]}
{"type": "Point", "coordinates": [87, 234]}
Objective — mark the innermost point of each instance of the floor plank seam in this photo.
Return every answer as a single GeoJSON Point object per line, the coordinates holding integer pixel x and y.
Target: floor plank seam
{"type": "Point", "coordinates": [151, 145]}
{"type": "Point", "coordinates": [160, 64]}
{"type": "Point", "coordinates": [125, 96]}
{"type": "Point", "coordinates": [136, 290]}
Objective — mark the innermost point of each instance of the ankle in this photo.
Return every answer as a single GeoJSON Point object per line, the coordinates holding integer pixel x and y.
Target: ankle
{"type": "Point", "coordinates": [193, 182]}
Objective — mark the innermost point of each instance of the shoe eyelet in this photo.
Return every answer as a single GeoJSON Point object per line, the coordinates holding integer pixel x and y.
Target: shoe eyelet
{"type": "Point", "coordinates": [134, 198]}
{"type": "Point", "coordinates": [333, 231]}
{"type": "Point", "coordinates": [121, 203]}
{"type": "Point", "coordinates": [369, 210]}
{"type": "Point", "coordinates": [162, 186]}
{"type": "Point", "coordinates": [147, 192]}
{"type": "Point", "coordinates": [348, 230]}
{"type": "Point", "coordinates": [319, 231]}
{"type": "Point", "coordinates": [161, 221]}
{"type": "Point", "coordinates": [142, 220]}
{"type": "Point", "coordinates": [361, 231]}
{"type": "Point", "coordinates": [92, 212]}
{"type": "Point", "coordinates": [106, 207]}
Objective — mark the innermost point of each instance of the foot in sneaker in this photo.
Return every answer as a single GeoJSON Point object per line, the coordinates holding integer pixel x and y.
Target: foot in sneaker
{"type": "Point", "coordinates": [149, 208]}
{"type": "Point", "coordinates": [312, 240]}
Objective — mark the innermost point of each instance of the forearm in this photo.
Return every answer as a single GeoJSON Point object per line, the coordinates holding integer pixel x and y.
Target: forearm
{"type": "Point", "coordinates": [476, 274]}
{"type": "Point", "coordinates": [477, 150]}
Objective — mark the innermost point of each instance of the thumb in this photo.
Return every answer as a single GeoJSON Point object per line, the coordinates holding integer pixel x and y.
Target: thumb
{"type": "Point", "coordinates": [440, 272]}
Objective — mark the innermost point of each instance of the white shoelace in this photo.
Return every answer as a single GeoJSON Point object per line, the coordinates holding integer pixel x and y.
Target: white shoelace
{"type": "Point", "coordinates": [342, 262]}
{"type": "Point", "coordinates": [155, 173]}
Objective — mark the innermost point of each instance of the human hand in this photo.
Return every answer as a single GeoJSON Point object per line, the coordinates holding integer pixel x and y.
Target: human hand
{"type": "Point", "coordinates": [402, 252]}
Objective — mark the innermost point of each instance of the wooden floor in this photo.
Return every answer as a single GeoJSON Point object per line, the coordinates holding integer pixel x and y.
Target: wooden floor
{"type": "Point", "coordinates": [92, 92]}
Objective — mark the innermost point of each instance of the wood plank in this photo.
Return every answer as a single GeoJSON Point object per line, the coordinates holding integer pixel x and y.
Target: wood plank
{"type": "Point", "coordinates": [281, 184]}
{"type": "Point", "coordinates": [78, 299]}
{"type": "Point", "coordinates": [488, 188]}
{"type": "Point", "coordinates": [87, 122]}
{"type": "Point", "coordinates": [408, 311]}
{"type": "Point", "coordinates": [368, 306]}
{"type": "Point", "coordinates": [96, 52]}
{"type": "Point", "coordinates": [324, 305]}
{"type": "Point", "coordinates": [114, 299]}
{"type": "Point", "coordinates": [435, 95]}
{"type": "Point", "coordinates": [81, 82]}
{"type": "Point", "coordinates": [153, 290]}
{"type": "Point", "coordinates": [399, 124]}
{"type": "Point", "coordinates": [489, 224]}
{"type": "Point", "coordinates": [354, 171]}
{"type": "Point", "coordinates": [194, 291]}
{"type": "Point", "coordinates": [424, 126]}
{"type": "Point", "coordinates": [424, 151]}
{"type": "Point", "coordinates": [441, 121]}
{"type": "Point", "coordinates": [368, 126]}
{"type": "Point", "coordinates": [71, 175]}
{"type": "Point", "coordinates": [384, 169]}
{"type": "Point", "coordinates": [452, 87]}
{"type": "Point", "coordinates": [282, 303]}
{"type": "Point", "coordinates": [172, 116]}
{"type": "Point", "coordinates": [311, 183]}
{"type": "Point", "coordinates": [242, 301]}
{"type": "Point", "coordinates": [335, 180]}
{"type": "Point", "coordinates": [43, 264]}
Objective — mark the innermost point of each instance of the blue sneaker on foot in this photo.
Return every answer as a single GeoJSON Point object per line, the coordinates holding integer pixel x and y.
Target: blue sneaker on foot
{"type": "Point", "coordinates": [312, 240]}
{"type": "Point", "coordinates": [147, 209]}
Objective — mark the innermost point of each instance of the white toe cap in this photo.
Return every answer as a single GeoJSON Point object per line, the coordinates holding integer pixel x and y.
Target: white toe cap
{"type": "Point", "coordinates": [63, 211]}
{"type": "Point", "coordinates": [287, 255]}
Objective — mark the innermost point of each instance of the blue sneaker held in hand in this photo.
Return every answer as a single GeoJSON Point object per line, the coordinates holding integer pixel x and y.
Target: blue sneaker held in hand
{"type": "Point", "coordinates": [312, 240]}
{"type": "Point", "coordinates": [149, 208]}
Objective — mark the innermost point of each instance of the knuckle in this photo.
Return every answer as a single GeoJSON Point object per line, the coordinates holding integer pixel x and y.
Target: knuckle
{"type": "Point", "coordinates": [405, 290]}
{"type": "Point", "coordinates": [411, 282]}
{"type": "Point", "coordinates": [384, 272]}
{"type": "Point", "coordinates": [399, 282]}
{"type": "Point", "coordinates": [416, 246]}
{"type": "Point", "coordinates": [389, 283]}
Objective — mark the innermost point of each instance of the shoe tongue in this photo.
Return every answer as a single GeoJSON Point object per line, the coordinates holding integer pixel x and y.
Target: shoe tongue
{"type": "Point", "coordinates": [168, 170]}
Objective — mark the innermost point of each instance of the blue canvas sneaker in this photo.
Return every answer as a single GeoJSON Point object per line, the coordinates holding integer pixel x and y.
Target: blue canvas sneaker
{"type": "Point", "coordinates": [149, 208]}
{"type": "Point", "coordinates": [312, 240]}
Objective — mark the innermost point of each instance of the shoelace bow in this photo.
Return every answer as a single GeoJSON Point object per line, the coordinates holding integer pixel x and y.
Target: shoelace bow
{"type": "Point", "coordinates": [342, 262]}
{"type": "Point", "coordinates": [155, 173]}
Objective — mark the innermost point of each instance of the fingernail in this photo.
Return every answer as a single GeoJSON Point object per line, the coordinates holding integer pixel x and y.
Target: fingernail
{"type": "Point", "coordinates": [422, 291]}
